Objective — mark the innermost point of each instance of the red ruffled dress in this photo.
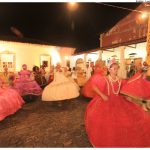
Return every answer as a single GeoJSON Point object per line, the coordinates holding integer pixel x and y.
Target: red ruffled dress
{"type": "Point", "coordinates": [116, 122]}
{"type": "Point", "coordinates": [87, 91]}
{"type": "Point", "coordinates": [137, 87]}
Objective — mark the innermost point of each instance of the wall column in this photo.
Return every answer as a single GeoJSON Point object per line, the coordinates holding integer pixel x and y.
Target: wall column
{"type": "Point", "coordinates": [122, 71]}
{"type": "Point", "coordinates": [85, 56]}
{"type": "Point", "coordinates": [100, 54]}
{"type": "Point", "coordinates": [148, 42]}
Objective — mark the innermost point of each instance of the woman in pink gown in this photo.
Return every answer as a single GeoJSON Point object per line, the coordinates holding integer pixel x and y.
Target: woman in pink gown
{"type": "Point", "coordinates": [25, 85]}
{"type": "Point", "coordinates": [113, 121]}
{"type": "Point", "coordinates": [10, 101]}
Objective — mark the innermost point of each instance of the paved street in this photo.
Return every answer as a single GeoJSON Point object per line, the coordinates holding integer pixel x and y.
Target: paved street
{"type": "Point", "coordinates": [43, 124]}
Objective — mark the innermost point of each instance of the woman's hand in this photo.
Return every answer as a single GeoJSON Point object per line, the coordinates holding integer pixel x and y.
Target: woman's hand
{"type": "Point", "coordinates": [128, 98]}
{"type": "Point", "coordinates": [101, 94]}
{"type": "Point", "coordinates": [104, 97]}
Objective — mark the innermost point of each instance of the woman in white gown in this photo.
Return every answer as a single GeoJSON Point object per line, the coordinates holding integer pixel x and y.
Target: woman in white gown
{"type": "Point", "coordinates": [61, 88]}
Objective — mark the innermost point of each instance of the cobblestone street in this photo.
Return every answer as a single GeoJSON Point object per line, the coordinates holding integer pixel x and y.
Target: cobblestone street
{"type": "Point", "coordinates": [42, 124]}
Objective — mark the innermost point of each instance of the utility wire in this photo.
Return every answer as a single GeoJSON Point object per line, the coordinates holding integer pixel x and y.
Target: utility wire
{"type": "Point", "coordinates": [121, 7]}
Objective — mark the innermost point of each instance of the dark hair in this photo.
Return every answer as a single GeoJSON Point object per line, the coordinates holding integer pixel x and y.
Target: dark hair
{"type": "Point", "coordinates": [35, 68]}
{"type": "Point", "coordinates": [144, 69]}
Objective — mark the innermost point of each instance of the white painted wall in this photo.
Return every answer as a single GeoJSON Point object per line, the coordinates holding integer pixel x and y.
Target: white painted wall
{"type": "Point", "coordinates": [92, 56]}
{"type": "Point", "coordinates": [30, 53]}
{"type": "Point", "coordinates": [140, 50]}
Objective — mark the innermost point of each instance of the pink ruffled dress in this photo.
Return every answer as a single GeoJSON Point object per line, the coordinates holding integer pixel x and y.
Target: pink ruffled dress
{"type": "Point", "coordinates": [25, 86]}
{"type": "Point", "coordinates": [10, 102]}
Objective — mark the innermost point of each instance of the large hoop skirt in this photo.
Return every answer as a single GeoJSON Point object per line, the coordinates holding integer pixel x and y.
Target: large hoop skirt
{"type": "Point", "coordinates": [10, 102]}
{"type": "Point", "coordinates": [116, 122]}
{"type": "Point", "coordinates": [61, 88]}
{"type": "Point", "coordinates": [27, 87]}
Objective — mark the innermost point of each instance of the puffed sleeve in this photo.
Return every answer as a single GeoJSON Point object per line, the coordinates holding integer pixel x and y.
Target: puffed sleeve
{"type": "Point", "coordinates": [96, 80]}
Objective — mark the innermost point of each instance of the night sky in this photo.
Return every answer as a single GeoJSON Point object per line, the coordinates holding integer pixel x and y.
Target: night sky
{"type": "Point", "coordinates": [56, 24]}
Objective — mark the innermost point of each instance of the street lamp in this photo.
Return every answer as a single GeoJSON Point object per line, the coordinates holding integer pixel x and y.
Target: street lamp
{"type": "Point", "coordinates": [72, 3]}
{"type": "Point", "coordinates": [72, 6]}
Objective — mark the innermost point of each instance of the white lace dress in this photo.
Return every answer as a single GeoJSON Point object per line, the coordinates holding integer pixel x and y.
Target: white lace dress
{"type": "Point", "coordinates": [61, 88]}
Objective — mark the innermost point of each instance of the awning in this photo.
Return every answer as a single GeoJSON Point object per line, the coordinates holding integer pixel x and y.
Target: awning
{"type": "Point", "coordinates": [130, 30]}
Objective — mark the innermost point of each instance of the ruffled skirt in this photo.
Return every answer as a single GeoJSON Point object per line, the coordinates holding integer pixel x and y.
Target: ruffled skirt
{"type": "Point", "coordinates": [10, 102]}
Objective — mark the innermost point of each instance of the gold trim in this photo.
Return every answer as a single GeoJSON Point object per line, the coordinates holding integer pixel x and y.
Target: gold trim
{"type": "Point", "coordinates": [135, 78]}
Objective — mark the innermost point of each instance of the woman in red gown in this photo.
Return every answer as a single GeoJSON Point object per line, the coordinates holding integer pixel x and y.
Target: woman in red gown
{"type": "Point", "coordinates": [138, 88]}
{"type": "Point", "coordinates": [87, 91]}
{"type": "Point", "coordinates": [113, 121]}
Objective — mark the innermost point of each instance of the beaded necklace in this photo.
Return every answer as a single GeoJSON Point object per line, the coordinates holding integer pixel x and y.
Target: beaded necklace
{"type": "Point", "coordinates": [112, 86]}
